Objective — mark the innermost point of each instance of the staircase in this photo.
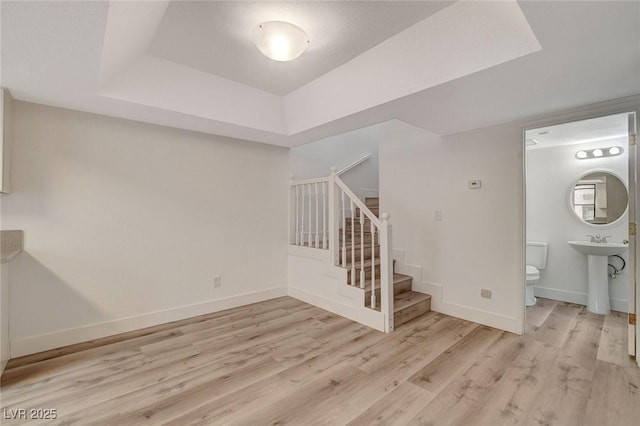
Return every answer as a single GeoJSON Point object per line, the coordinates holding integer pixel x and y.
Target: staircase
{"type": "Point", "coordinates": [408, 304]}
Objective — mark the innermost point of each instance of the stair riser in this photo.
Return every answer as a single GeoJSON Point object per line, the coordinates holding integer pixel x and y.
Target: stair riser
{"type": "Point", "coordinates": [367, 222]}
{"type": "Point", "coordinates": [372, 201]}
{"type": "Point", "coordinates": [398, 288]}
{"type": "Point", "coordinates": [358, 238]}
{"type": "Point", "coordinates": [367, 275]}
{"type": "Point", "coordinates": [411, 312]}
{"type": "Point", "coordinates": [374, 210]}
{"type": "Point", "coordinates": [358, 230]}
{"type": "Point", "coordinates": [367, 253]}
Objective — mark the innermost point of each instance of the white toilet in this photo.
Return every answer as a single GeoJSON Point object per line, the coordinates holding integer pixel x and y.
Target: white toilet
{"type": "Point", "coordinates": [536, 259]}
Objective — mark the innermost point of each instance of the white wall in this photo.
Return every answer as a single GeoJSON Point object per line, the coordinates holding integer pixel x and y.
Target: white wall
{"type": "Point", "coordinates": [478, 243]}
{"type": "Point", "coordinates": [551, 172]}
{"type": "Point", "coordinates": [314, 160]}
{"type": "Point", "coordinates": [126, 225]}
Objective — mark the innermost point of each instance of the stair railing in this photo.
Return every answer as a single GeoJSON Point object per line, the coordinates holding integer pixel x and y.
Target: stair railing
{"type": "Point", "coordinates": [309, 201]}
{"type": "Point", "coordinates": [319, 210]}
{"type": "Point", "coordinates": [353, 164]}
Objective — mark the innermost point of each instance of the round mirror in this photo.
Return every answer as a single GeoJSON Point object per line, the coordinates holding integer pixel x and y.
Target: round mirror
{"type": "Point", "coordinates": [599, 198]}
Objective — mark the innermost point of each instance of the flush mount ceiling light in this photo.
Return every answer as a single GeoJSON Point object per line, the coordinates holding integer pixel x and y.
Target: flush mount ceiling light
{"type": "Point", "coordinates": [599, 153]}
{"type": "Point", "coordinates": [280, 41]}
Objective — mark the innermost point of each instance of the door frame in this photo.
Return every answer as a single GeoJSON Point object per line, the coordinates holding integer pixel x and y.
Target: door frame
{"type": "Point", "coordinates": [629, 104]}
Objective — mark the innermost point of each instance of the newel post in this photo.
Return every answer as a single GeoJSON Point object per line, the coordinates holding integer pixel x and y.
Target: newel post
{"type": "Point", "coordinates": [293, 205]}
{"type": "Point", "coordinates": [386, 272]}
{"type": "Point", "coordinates": [333, 216]}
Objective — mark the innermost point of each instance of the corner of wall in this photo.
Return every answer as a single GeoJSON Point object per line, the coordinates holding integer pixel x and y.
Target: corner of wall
{"type": "Point", "coordinates": [441, 305]}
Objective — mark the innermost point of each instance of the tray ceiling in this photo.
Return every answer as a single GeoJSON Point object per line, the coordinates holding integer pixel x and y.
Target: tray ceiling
{"type": "Point", "coordinates": [443, 66]}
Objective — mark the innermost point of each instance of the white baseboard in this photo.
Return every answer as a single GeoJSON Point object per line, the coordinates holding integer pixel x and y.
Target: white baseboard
{"type": "Point", "coordinates": [576, 297]}
{"type": "Point", "coordinates": [439, 304]}
{"type": "Point", "coordinates": [469, 313]}
{"type": "Point", "coordinates": [43, 342]}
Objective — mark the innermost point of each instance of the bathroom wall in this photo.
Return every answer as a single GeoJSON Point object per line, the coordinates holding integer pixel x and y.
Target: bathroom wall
{"type": "Point", "coordinates": [313, 160]}
{"type": "Point", "coordinates": [127, 224]}
{"type": "Point", "coordinates": [551, 173]}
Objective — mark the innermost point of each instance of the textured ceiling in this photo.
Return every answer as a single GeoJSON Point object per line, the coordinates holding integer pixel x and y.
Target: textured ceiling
{"type": "Point", "coordinates": [582, 131]}
{"type": "Point", "coordinates": [445, 68]}
{"type": "Point", "coordinates": [214, 36]}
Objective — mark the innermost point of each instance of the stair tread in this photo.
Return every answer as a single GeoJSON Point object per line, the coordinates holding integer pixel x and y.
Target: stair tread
{"type": "Point", "coordinates": [366, 245]}
{"type": "Point", "coordinates": [367, 263]}
{"type": "Point", "coordinates": [397, 279]}
{"type": "Point", "coordinates": [358, 229]}
{"type": "Point", "coordinates": [407, 299]}
{"type": "Point", "coordinates": [400, 284]}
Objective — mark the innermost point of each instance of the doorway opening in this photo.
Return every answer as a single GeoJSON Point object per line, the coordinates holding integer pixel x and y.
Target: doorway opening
{"type": "Point", "coordinates": [580, 186]}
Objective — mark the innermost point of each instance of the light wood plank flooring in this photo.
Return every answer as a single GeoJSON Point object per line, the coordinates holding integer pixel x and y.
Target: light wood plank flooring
{"type": "Point", "coordinates": [286, 362]}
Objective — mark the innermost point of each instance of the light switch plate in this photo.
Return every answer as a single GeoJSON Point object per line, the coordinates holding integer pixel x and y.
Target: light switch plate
{"type": "Point", "coordinates": [475, 184]}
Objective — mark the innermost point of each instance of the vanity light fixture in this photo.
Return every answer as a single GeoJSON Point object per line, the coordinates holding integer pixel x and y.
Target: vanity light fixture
{"type": "Point", "coordinates": [599, 153]}
{"type": "Point", "coordinates": [614, 150]}
{"type": "Point", "coordinates": [280, 41]}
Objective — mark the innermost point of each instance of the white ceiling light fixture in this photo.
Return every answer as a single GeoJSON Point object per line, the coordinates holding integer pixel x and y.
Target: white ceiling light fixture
{"type": "Point", "coordinates": [280, 41]}
{"type": "Point", "coordinates": [599, 153]}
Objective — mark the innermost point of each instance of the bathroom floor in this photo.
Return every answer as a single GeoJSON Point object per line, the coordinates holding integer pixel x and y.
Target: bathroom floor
{"type": "Point", "coordinates": [538, 313]}
{"type": "Point", "coordinates": [612, 342]}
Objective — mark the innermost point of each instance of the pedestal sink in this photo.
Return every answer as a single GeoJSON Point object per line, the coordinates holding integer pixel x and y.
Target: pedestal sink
{"type": "Point", "coordinates": [597, 253]}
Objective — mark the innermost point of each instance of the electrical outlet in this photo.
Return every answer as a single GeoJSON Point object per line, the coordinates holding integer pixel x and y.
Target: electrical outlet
{"type": "Point", "coordinates": [485, 293]}
{"type": "Point", "coordinates": [217, 281]}
{"type": "Point", "coordinates": [437, 215]}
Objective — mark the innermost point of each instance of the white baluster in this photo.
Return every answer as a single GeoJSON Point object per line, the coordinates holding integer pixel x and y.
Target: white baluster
{"type": "Point", "coordinates": [317, 216]}
{"type": "Point", "coordinates": [386, 272]}
{"type": "Point", "coordinates": [302, 194]}
{"type": "Point", "coordinates": [373, 268]}
{"type": "Point", "coordinates": [295, 230]}
{"type": "Point", "coordinates": [362, 275]}
{"type": "Point", "coordinates": [353, 244]}
{"type": "Point", "coordinates": [324, 215]}
{"type": "Point", "coordinates": [344, 236]}
{"type": "Point", "coordinates": [333, 218]}
{"type": "Point", "coordinates": [310, 241]}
